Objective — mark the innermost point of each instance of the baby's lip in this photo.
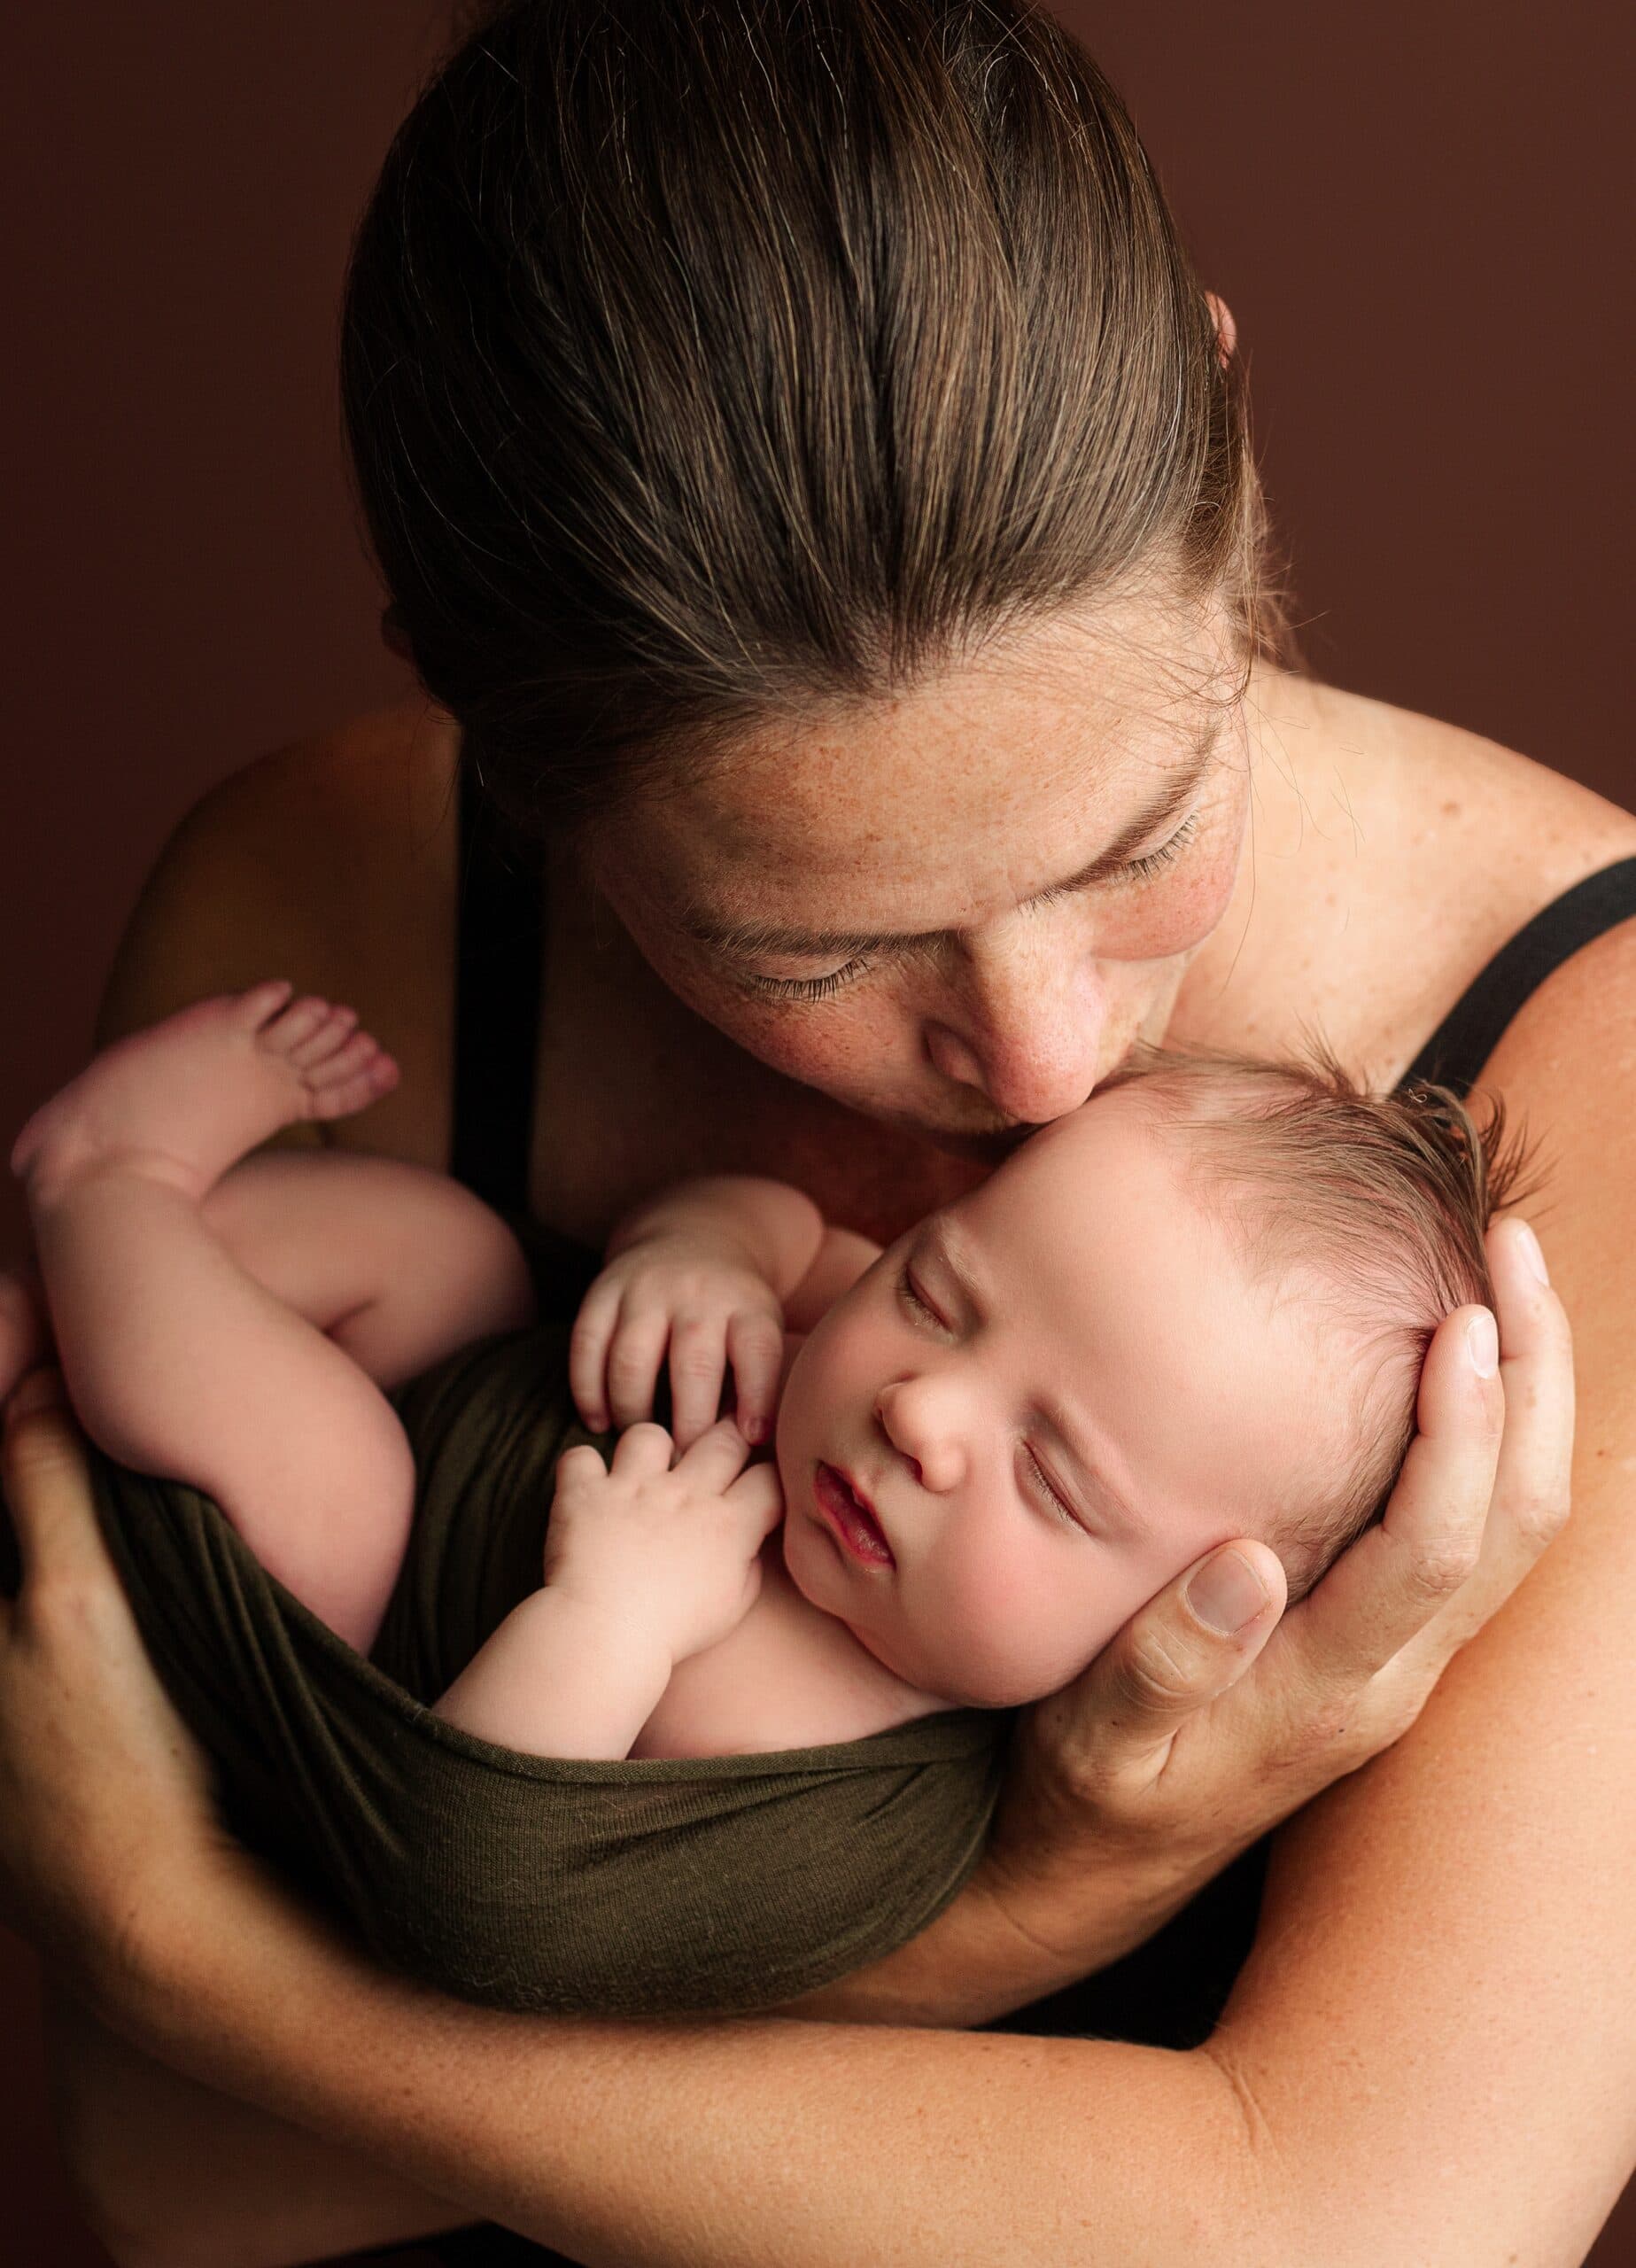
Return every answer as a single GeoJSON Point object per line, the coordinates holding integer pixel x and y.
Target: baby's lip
{"type": "Point", "coordinates": [847, 1509]}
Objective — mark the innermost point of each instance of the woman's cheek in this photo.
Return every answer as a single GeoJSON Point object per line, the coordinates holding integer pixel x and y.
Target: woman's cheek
{"type": "Point", "coordinates": [1175, 913]}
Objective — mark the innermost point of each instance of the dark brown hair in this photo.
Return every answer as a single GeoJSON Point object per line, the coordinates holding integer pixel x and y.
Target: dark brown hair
{"type": "Point", "coordinates": [706, 361]}
{"type": "Point", "coordinates": [1378, 1204]}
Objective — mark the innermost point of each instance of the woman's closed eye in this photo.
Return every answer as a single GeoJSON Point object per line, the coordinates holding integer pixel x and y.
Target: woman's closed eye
{"type": "Point", "coordinates": [807, 988]}
{"type": "Point", "coordinates": [1139, 869]}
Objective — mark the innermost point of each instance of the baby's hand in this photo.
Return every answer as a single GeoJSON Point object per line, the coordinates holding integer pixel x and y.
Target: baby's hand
{"type": "Point", "coordinates": [701, 1297]}
{"type": "Point", "coordinates": [671, 1552]}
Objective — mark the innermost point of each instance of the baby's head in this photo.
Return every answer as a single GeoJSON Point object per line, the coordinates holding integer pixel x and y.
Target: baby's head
{"type": "Point", "coordinates": [1194, 1309]}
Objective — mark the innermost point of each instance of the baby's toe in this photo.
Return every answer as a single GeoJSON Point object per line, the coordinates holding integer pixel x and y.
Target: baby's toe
{"type": "Point", "coordinates": [292, 1032]}
{"type": "Point", "coordinates": [352, 1078]}
{"type": "Point", "coordinates": [324, 1041]}
{"type": "Point", "coordinates": [255, 1007]}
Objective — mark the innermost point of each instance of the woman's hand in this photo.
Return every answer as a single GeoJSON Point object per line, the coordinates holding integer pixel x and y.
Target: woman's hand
{"type": "Point", "coordinates": [104, 1799]}
{"type": "Point", "coordinates": [1166, 1758]}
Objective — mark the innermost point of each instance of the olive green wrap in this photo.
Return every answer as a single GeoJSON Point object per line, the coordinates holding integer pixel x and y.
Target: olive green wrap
{"type": "Point", "coordinates": [624, 1888]}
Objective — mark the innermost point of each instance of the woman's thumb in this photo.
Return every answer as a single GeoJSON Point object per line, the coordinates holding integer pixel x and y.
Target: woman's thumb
{"type": "Point", "coordinates": [1196, 1638]}
{"type": "Point", "coordinates": [43, 1484]}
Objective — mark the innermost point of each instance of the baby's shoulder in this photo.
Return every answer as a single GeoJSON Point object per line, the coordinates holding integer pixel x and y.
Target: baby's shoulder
{"type": "Point", "coordinates": [788, 1677]}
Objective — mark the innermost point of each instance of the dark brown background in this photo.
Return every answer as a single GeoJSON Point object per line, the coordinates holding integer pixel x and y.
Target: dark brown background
{"type": "Point", "coordinates": [1420, 213]}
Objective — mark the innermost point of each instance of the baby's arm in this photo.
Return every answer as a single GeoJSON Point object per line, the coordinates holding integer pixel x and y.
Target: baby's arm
{"type": "Point", "coordinates": [647, 1564]}
{"type": "Point", "coordinates": [705, 1270]}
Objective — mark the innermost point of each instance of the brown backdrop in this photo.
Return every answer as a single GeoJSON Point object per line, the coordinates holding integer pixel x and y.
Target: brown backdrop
{"type": "Point", "coordinates": [1420, 213]}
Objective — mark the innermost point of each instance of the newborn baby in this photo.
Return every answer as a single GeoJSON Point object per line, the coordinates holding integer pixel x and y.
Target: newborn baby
{"type": "Point", "coordinates": [1193, 1309]}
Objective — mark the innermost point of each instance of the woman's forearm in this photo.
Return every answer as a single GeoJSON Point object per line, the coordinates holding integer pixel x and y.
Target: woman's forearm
{"type": "Point", "coordinates": [652, 2147]}
{"type": "Point", "coordinates": [1014, 1934]}
{"type": "Point", "coordinates": [172, 2174]}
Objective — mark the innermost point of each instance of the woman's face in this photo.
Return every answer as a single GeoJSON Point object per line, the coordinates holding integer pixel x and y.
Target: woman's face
{"type": "Point", "coordinates": [958, 910]}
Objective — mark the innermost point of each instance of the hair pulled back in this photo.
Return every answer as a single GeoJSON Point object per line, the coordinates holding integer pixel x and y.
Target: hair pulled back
{"type": "Point", "coordinates": [705, 361]}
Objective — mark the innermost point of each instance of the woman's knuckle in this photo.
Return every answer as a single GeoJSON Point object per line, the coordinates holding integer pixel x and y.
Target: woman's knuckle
{"type": "Point", "coordinates": [1539, 1514]}
{"type": "Point", "coordinates": [1154, 1670]}
{"type": "Point", "coordinates": [1437, 1569]}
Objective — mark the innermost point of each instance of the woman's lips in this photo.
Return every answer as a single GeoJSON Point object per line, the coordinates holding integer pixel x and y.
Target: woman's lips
{"type": "Point", "coordinates": [851, 1518]}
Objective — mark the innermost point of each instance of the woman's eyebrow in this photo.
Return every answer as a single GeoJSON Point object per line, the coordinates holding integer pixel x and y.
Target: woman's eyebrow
{"type": "Point", "coordinates": [751, 938]}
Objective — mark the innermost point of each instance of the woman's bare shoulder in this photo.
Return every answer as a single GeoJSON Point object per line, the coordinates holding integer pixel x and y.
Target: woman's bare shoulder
{"type": "Point", "coordinates": [1393, 854]}
{"type": "Point", "coordinates": [331, 862]}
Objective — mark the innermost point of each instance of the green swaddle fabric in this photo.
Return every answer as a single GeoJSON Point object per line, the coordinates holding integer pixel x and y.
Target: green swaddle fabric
{"type": "Point", "coordinates": [625, 1888]}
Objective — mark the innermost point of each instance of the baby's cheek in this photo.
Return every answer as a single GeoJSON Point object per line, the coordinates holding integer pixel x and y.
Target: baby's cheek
{"type": "Point", "coordinates": [994, 1633]}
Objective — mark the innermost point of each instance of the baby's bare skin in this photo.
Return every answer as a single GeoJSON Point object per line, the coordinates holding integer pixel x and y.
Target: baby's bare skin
{"type": "Point", "coordinates": [179, 1360]}
{"type": "Point", "coordinates": [225, 1320]}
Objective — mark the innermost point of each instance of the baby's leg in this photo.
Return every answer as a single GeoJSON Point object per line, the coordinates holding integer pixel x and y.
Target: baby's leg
{"type": "Point", "coordinates": [178, 1361]}
{"type": "Point", "coordinates": [396, 1263]}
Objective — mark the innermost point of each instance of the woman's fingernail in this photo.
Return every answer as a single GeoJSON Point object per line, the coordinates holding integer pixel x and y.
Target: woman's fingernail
{"type": "Point", "coordinates": [1226, 1593]}
{"type": "Point", "coordinates": [1528, 1245]}
{"type": "Point", "coordinates": [1483, 1344]}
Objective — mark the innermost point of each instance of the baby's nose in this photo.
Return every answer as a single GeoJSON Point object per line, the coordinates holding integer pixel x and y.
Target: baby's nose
{"type": "Point", "coordinates": [913, 1420]}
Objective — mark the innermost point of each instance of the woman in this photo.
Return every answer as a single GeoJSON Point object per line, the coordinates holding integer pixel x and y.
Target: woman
{"type": "Point", "coordinates": [804, 465]}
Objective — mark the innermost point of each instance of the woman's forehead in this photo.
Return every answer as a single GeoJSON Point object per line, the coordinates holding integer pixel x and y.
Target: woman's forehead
{"type": "Point", "coordinates": [1038, 753]}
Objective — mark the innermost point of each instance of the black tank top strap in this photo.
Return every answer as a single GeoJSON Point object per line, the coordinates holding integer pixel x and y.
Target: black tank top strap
{"type": "Point", "coordinates": [1468, 1036]}
{"type": "Point", "coordinates": [500, 936]}
{"type": "Point", "coordinates": [500, 957]}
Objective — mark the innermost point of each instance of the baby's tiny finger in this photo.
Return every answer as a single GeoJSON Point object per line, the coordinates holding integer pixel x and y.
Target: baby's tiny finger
{"type": "Point", "coordinates": [758, 1496]}
{"type": "Point", "coordinates": [756, 1350]}
{"type": "Point", "coordinates": [588, 1357]}
{"type": "Point", "coordinates": [698, 1358]}
{"type": "Point", "coordinates": [715, 1456]}
{"type": "Point", "coordinates": [645, 1448]}
{"type": "Point", "coordinates": [634, 1361]}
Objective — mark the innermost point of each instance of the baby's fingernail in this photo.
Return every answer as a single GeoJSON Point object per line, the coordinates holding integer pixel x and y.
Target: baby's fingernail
{"type": "Point", "coordinates": [1483, 1344]}
{"type": "Point", "coordinates": [1528, 1245]}
{"type": "Point", "coordinates": [1226, 1593]}
{"type": "Point", "coordinates": [754, 1429]}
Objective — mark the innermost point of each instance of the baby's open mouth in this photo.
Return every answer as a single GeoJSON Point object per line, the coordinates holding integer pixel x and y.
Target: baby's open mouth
{"type": "Point", "coordinates": [851, 1517]}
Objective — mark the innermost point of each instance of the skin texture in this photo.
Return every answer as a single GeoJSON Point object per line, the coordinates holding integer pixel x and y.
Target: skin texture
{"type": "Point", "coordinates": [1445, 1947]}
{"type": "Point", "coordinates": [1053, 1395]}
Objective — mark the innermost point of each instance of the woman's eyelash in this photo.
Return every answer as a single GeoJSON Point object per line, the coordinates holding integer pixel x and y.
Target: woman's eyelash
{"type": "Point", "coordinates": [807, 988]}
{"type": "Point", "coordinates": [820, 988]}
{"type": "Point", "coordinates": [1151, 861]}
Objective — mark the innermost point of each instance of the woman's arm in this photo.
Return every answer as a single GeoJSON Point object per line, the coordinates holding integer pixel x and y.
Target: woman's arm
{"type": "Point", "coordinates": [170, 2174]}
{"type": "Point", "coordinates": [1428, 2056]}
{"type": "Point", "coordinates": [624, 2143]}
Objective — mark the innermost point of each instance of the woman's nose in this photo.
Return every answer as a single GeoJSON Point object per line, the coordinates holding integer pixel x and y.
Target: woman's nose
{"type": "Point", "coordinates": [916, 1416]}
{"type": "Point", "coordinates": [1027, 1023]}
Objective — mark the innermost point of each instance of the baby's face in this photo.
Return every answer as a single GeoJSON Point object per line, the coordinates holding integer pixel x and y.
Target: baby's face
{"type": "Point", "coordinates": [1039, 1406]}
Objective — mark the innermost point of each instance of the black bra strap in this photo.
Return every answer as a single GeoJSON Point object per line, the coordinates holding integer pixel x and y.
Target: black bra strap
{"type": "Point", "coordinates": [1462, 1043]}
{"type": "Point", "coordinates": [496, 1007]}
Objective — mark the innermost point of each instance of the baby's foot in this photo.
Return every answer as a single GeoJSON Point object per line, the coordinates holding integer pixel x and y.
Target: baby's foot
{"type": "Point", "coordinates": [187, 1097]}
{"type": "Point", "coordinates": [25, 1331]}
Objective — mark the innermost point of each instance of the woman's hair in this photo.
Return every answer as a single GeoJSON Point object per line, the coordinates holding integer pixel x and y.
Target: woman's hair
{"type": "Point", "coordinates": [707, 362]}
{"type": "Point", "coordinates": [1375, 1206]}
